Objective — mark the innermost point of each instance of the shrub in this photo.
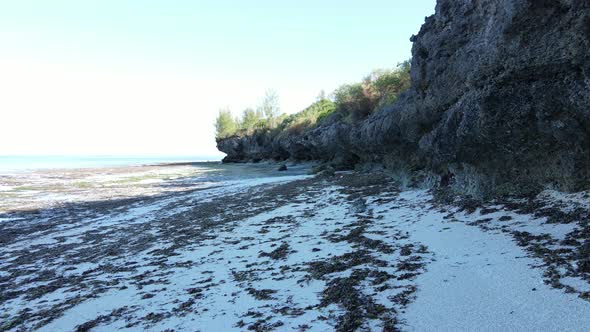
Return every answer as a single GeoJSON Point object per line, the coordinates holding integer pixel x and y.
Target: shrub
{"type": "Point", "coordinates": [356, 100]}
{"type": "Point", "coordinates": [378, 89]}
{"type": "Point", "coordinates": [389, 84]}
{"type": "Point", "coordinates": [308, 118]}
{"type": "Point", "coordinates": [225, 124]}
{"type": "Point", "coordinates": [265, 117]}
{"type": "Point", "coordinates": [250, 120]}
{"type": "Point", "coordinates": [352, 102]}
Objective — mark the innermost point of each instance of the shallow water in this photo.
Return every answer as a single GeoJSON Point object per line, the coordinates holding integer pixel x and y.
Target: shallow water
{"type": "Point", "coordinates": [42, 188]}
{"type": "Point", "coordinates": [11, 164]}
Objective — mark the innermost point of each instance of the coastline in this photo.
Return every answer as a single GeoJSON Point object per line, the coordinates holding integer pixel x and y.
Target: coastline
{"type": "Point", "coordinates": [492, 109]}
{"type": "Point", "coordinates": [326, 252]}
{"type": "Point", "coordinates": [450, 193]}
{"type": "Point", "coordinates": [30, 163]}
{"type": "Point", "coordinates": [43, 188]}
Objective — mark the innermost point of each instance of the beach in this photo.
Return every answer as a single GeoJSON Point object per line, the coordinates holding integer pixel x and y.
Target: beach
{"type": "Point", "coordinates": [211, 247]}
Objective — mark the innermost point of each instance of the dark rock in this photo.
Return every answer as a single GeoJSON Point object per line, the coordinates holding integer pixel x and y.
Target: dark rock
{"type": "Point", "coordinates": [282, 168]}
{"type": "Point", "coordinates": [584, 266]}
{"type": "Point", "coordinates": [499, 103]}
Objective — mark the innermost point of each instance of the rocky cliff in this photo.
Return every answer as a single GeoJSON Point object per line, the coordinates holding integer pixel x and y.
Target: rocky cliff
{"type": "Point", "coordinates": [499, 103]}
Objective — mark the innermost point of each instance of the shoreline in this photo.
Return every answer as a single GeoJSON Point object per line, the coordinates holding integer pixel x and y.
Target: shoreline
{"type": "Point", "coordinates": [38, 163]}
{"type": "Point", "coordinates": [325, 252]}
{"type": "Point", "coordinates": [40, 189]}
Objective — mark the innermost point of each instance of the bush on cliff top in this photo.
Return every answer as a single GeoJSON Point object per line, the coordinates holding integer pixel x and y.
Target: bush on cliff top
{"type": "Point", "coordinates": [353, 102]}
{"type": "Point", "coordinates": [266, 116]}
{"type": "Point", "coordinates": [297, 123]}
{"type": "Point", "coordinates": [225, 124]}
{"type": "Point", "coordinates": [380, 88]}
{"type": "Point", "coordinates": [251, 120]}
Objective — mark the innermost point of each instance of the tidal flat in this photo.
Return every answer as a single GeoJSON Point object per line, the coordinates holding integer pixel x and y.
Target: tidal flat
{"type": "Point", "coordinates": [243, 247]}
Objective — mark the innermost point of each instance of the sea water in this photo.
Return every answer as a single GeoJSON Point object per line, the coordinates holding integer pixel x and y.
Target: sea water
{"type": "Point", "coordinates": [22, 163]}
{"type": "Point", "coordinates": [33, 182]}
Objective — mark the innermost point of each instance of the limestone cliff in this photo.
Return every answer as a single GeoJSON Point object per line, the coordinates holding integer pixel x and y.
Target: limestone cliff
{"type": "Point", "coordinates": [499, 103]}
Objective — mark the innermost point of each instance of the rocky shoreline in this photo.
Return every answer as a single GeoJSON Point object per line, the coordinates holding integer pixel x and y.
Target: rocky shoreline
{"type": "Point", "coordinates": [463, 206]}
{"type": "Point", "coordinates": [499, 105]}
{"type": "Point", "coordinates": [345, 252]}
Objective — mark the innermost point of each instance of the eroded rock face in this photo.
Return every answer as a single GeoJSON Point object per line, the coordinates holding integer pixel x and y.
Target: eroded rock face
{"type": "Point", "coordinates": [499, 103]}
{"type": "Point", "coordinates": [505, 86]}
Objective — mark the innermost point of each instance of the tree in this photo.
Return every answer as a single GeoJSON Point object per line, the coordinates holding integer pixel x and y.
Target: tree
{"type": "Point", "coordinates": [250, 119]}
{"type": "Point", "coordinates": [225, 124]}
{"type": "Point", "coordinates": [270, 107]}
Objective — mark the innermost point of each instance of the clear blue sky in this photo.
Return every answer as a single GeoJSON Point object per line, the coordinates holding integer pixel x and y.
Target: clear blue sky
{"type": "Point", "coordinates": [147, 77]}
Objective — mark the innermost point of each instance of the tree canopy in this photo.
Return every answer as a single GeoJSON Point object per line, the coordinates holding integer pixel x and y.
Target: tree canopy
{"type": "Point", "coordinates": [225, 124]}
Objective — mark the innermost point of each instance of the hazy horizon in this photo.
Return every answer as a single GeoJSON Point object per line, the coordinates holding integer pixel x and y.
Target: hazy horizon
{"type": "Point", "coordinates": [147, 78]}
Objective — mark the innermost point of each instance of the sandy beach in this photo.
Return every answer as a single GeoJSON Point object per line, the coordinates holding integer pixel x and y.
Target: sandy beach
{"type": "Point", "coordinates": [212, 166]}
{"type": "Point", "coordinates": [284, 252]}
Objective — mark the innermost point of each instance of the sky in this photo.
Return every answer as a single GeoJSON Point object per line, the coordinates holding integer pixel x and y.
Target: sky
{"type": "Point", "coordinates": [147, 77]}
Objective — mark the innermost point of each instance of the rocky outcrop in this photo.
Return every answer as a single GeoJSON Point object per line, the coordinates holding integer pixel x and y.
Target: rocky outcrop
{"type": "Point", "coordinates": [499, 103]}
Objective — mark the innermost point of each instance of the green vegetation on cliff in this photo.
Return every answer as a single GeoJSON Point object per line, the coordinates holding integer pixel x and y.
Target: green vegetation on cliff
{"type": "Point", "coordinates": [225, 124]}
{"type": "Point", "coordinates": [308, 118]}
{"type": "Point", "coordinates": [350, 102]}
{"type": "Point", "coordinates": [381, 88]}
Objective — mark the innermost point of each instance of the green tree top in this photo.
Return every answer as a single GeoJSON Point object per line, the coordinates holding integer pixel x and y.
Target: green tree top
{"type": "Point", "coordinates": [225, 124]}
{"type": "Point", "coordinates": [250, 119]}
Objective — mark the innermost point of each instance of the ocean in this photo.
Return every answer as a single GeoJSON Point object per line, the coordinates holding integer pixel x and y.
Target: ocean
{"type": "Point", "coordinates": [23, 163]}
{"type": "Point", "coordinates": [33, 182]}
